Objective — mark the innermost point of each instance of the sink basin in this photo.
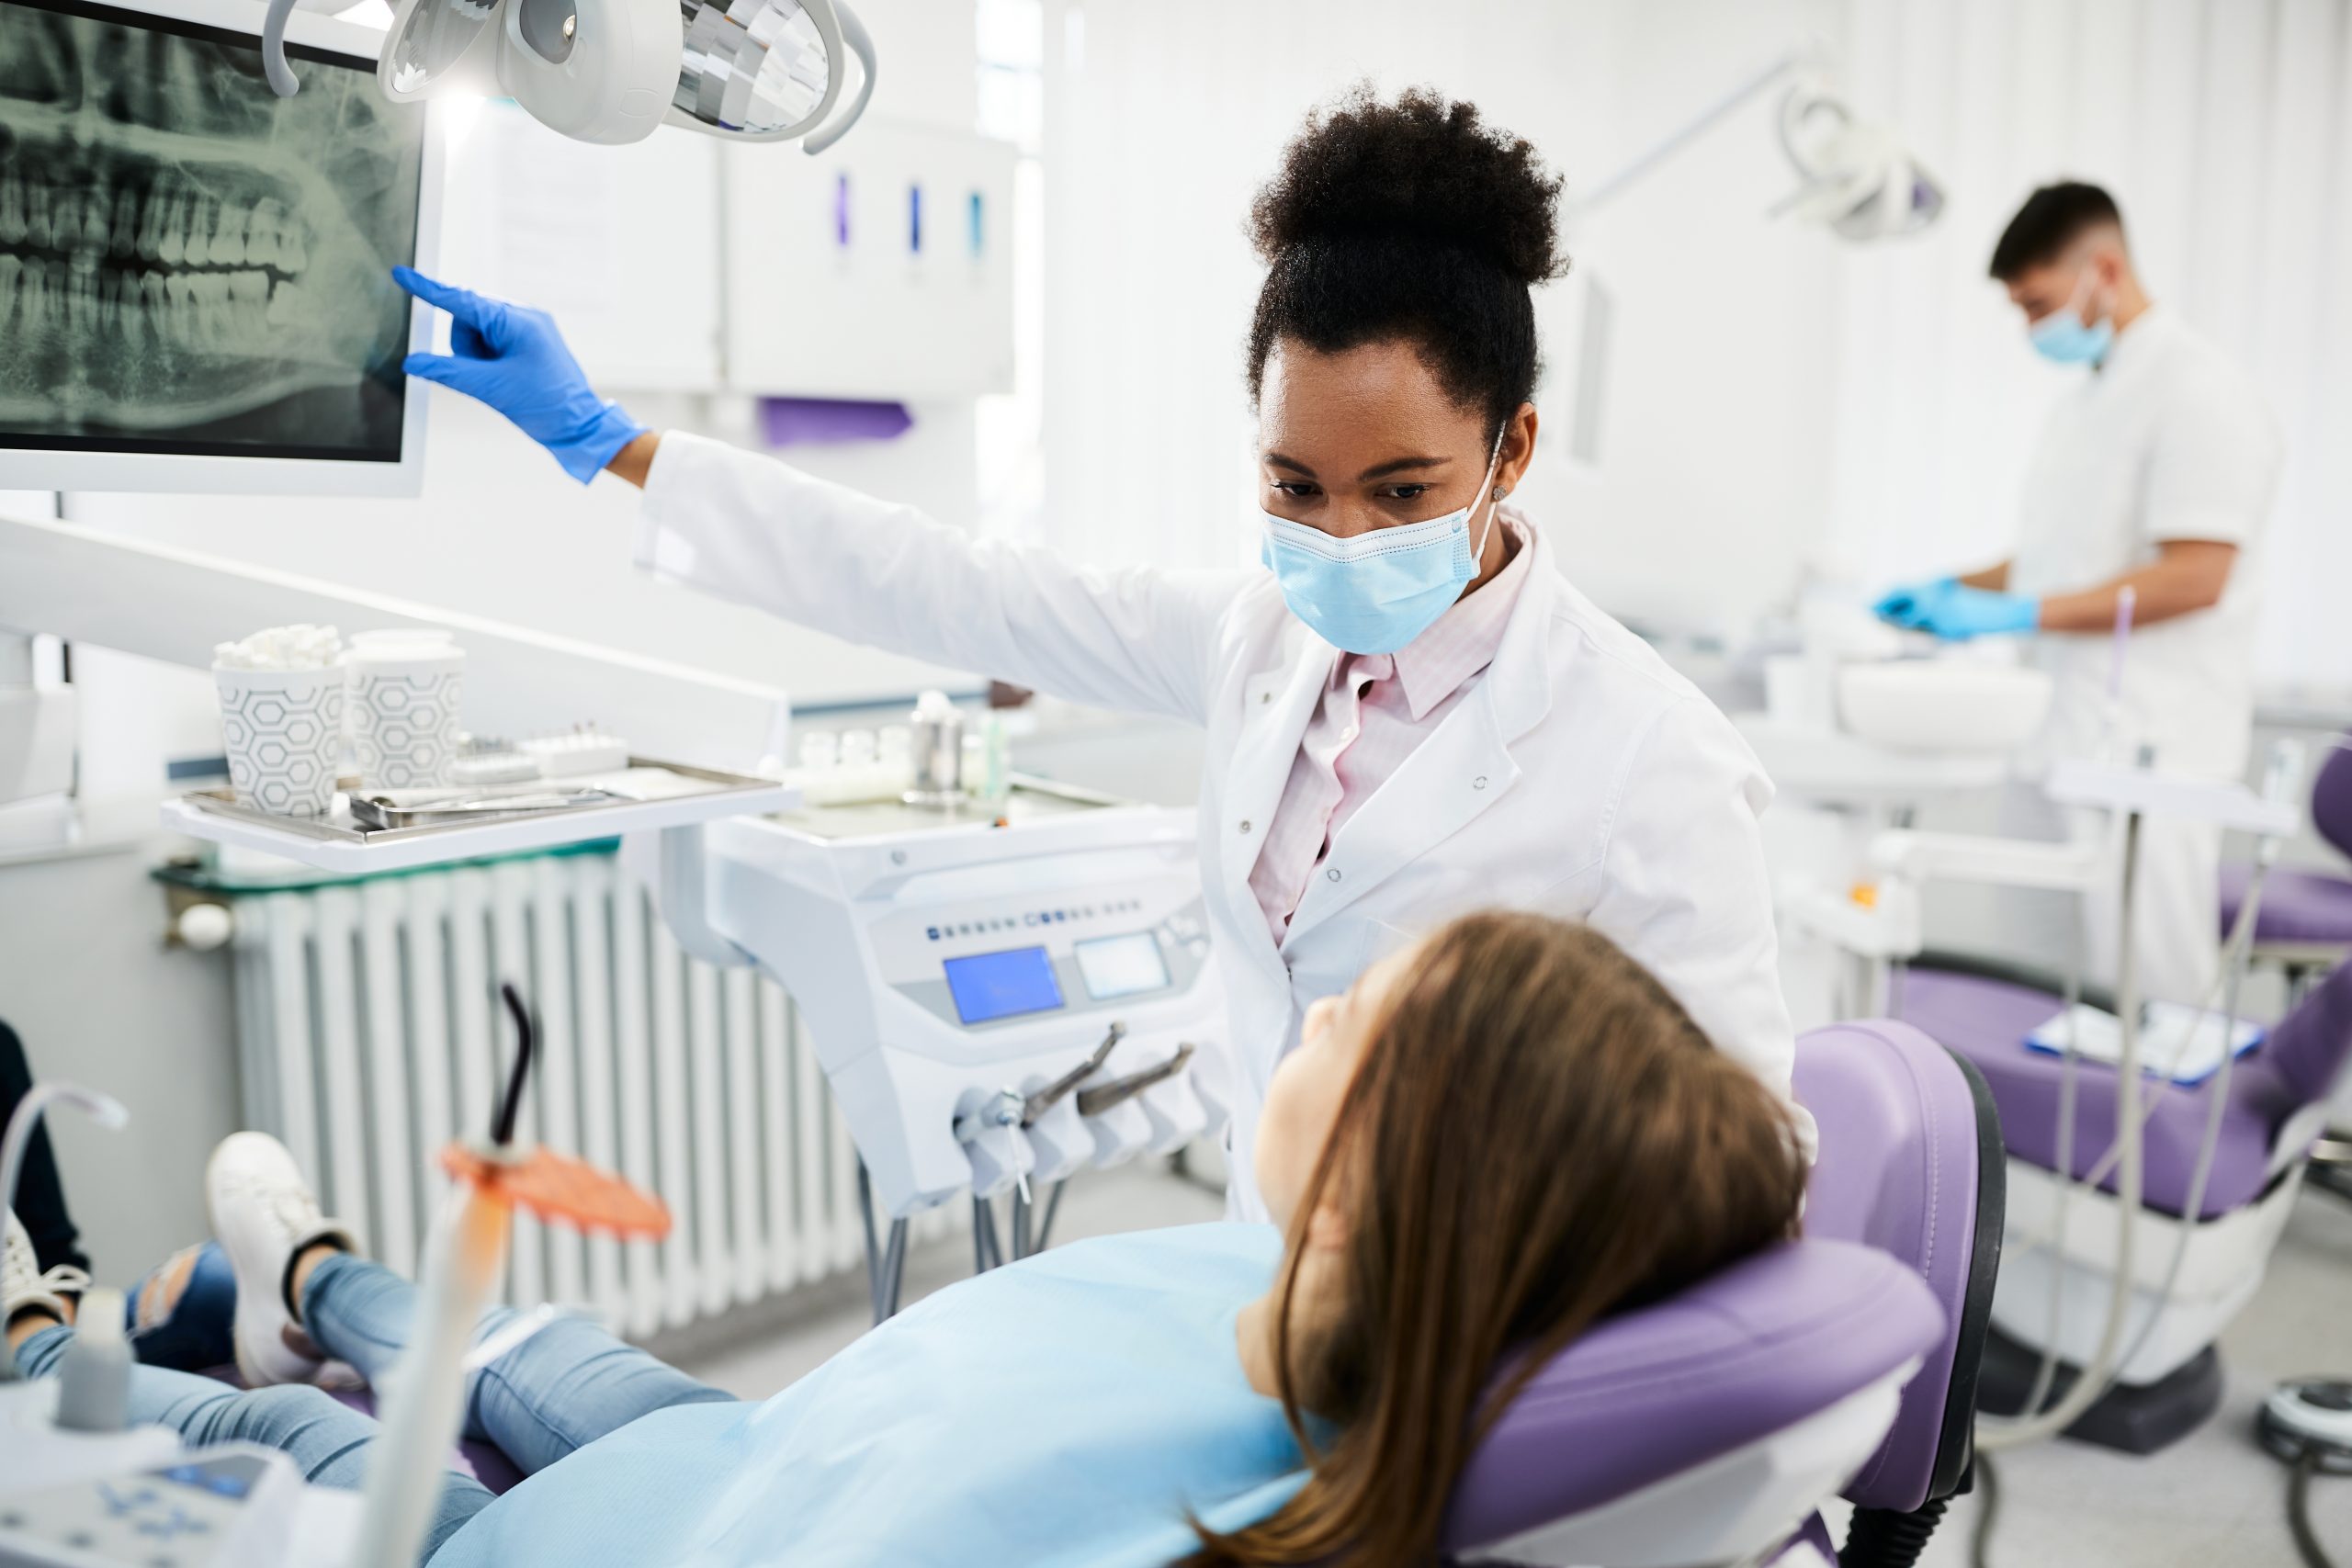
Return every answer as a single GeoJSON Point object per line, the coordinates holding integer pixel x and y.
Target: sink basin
{"type": "Point", "coordinates": [1930, 705]}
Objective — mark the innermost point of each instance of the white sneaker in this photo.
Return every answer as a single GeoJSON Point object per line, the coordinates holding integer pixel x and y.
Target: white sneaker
{"type": "Point", "coordinates": [23, 1286]}
{"type": "Point", "coordinates": [264, 1215]}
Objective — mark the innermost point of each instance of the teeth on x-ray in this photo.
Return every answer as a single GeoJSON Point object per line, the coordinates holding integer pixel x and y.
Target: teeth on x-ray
{"type": "Point", "coordinates": [179, 247]}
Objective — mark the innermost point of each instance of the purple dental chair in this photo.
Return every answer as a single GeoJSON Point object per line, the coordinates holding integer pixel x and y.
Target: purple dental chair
{"type": "Point", "coordinates": [2272, 1109]}
{"type": "Point", "coordinates": [2304, 926]}
{"type": "Point", "coordinates": [1708, 1427]}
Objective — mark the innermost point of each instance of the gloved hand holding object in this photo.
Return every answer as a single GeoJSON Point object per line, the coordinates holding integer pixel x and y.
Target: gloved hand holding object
{"type": "Point", "coordinates": [513, 358]}
{"type": "Point", "coordinates": [1955, 612]}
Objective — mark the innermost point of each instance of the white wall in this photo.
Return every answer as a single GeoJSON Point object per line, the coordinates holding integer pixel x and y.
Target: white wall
{"type": "Point", "coordinates": [85, 980]}
{"type": "Point", "coordinates": [1162, 121]}
{"type": "Point", "coordinates": [2223, 128]}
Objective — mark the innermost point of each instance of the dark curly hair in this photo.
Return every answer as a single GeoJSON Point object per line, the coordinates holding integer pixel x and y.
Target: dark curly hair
{"type": "Point", "coordinates": [1409, 219]}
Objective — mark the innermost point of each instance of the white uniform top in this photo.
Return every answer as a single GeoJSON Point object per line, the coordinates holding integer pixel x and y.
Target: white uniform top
{"type": "Point", "coordinates": [2166, 440]}
{"type": "Point", "coordinates": [1577, 776]}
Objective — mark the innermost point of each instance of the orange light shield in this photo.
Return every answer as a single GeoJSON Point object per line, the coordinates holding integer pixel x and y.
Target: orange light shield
{"type": "Point", "coordinates": [561, 1192]}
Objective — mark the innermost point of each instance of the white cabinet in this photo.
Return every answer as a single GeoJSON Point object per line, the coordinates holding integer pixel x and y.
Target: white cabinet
{"type": "Point", "coordinates": [880, 268]}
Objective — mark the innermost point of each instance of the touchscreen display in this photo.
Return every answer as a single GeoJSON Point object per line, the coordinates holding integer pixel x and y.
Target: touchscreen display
{"type": "Point", "coordinates": [189, 263]}
{"type": "Point", "coordinates": [990, 986]}
{"type": "Point", "coordinates": [1121, 965]}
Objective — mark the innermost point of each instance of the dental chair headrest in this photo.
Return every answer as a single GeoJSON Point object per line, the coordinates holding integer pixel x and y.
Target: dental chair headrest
{"type": "Point", "coordinates": [1658, 1392]}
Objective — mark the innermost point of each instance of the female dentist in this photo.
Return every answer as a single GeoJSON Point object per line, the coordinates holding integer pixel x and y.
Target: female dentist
{"type": "Point", "coordinates": [1411, 712]}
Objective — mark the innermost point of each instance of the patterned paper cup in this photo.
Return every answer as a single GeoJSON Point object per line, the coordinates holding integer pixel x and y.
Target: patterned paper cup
{"type": "Point", "coordinates": [404, 690]}
{"type": "Point", "coordinates": [283, 730]}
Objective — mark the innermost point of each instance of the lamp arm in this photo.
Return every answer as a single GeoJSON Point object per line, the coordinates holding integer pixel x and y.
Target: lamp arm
{"type": "Point", "coordinates": [1584, 203]}
{"type": "Point", "coordinates": [860, 44]}
{"type": "Point", "coordinates": [273, 49]}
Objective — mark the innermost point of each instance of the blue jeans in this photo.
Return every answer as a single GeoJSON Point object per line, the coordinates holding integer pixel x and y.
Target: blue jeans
{"type": "Point", "coordinates": [194, 1335]}
{"type": "Point", "coordinates": [559, 1390]}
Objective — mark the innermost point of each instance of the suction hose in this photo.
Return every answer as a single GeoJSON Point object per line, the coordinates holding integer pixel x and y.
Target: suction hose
{"type": "Point", "coordinates": [104, 1110]}
{"type": "Point", "coordinates": [1993, 1435]}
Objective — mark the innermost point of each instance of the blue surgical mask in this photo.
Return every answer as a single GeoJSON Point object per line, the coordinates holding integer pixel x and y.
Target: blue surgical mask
{"type": "Point", "coordinates": [2063, 338]}
{"type": "Point", "coordinates": [1379, 590]}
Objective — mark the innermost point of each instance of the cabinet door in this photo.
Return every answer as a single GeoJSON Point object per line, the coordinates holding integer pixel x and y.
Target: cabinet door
{"type": "Point", "coordinates": [880, 268]}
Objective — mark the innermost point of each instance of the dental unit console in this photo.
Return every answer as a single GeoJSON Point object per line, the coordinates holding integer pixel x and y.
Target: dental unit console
{"type": "Point", "coordinates": [997, 994]}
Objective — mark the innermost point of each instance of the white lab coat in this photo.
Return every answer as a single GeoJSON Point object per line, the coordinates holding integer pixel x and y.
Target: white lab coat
{"type": "Point", "coordinates": [2166, 440]}
{"type": "Point", "coordinates": [1581, 775]}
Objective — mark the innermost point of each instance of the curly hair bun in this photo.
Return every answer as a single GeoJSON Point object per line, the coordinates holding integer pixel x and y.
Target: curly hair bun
{"type": "Point", "coordinates": [1423, 167]}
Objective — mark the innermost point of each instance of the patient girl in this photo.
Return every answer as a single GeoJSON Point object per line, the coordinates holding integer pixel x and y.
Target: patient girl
{"type": "Point", "coordinates": [1493, 1141]}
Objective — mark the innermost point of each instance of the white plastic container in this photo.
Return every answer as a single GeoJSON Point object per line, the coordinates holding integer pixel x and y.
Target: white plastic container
{"type": "Point", "coordinates": [405, 687]}
{"type": "Point", "coordinates": [283, 733]}
{"type": "Point", "coordinates": [1943, 704]}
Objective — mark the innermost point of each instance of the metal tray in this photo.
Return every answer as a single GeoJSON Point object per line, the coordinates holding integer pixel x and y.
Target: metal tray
{"type": "Point", "coordinates": [661, 795]}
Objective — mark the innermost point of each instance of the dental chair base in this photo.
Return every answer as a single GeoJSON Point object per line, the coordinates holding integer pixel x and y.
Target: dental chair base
{"type": "Point", "coordinates": [2143, 1418]}
{"type": "Point", "coordinates": [2219, 1273]}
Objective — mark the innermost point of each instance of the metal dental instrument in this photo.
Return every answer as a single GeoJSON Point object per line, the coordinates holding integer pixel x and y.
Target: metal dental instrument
{"type": "Point", "coordinates": [1009, 1109]}
{"type": "Point", "coordinates": [388, 811]}
{"type": "Point", "coordinates": [1118, 1091]}
{"type": "Point", "coordinates": [1054, 1093]}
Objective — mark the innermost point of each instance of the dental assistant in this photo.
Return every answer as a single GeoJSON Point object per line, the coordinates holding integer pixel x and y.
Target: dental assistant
{"type": "Point", "coordinates": [2156, 472]}
{"type": "Point", "coordinates": [1411, 712]}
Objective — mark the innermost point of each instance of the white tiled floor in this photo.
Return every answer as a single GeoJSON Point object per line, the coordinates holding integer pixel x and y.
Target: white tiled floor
{"type": "Point", "coordinates": [2215, 1500]}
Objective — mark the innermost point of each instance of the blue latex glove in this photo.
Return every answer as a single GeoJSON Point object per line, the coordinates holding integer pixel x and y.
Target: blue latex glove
{"type": "Point", "coordinates": [513, 359]}
{"type": "Point", "coordinates": [1955, 612]}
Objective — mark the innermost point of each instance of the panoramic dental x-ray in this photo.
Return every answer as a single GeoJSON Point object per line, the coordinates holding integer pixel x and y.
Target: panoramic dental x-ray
{"type": "Point", "coordinates": [188, 259]}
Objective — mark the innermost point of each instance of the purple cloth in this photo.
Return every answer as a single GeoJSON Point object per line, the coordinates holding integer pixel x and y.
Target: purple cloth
{"type": "Point", "coordinates": [480, 1461]}
{"type": "Point", "coordinates": [817, 421]}
{"type": "Point", "coordinates": [2296, 906]}
{"type": "Point", "coordinates": [1650, 1394]}
{"type": "Point", "coordinates": [1898, 1171]}
{"type": "Point", "coordinates": [1986, 1021]}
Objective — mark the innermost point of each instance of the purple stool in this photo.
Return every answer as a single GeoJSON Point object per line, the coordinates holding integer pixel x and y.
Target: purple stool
{"type": "Point", "coordinates": [1710, 1427]}
{"type": "Point", "coordinates": [2272, 1109]}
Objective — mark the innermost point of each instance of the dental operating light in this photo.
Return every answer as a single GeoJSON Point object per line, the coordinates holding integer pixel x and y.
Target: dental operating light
{"type": "Point", "coordinates": [609, 71]}
{"type": "Point", "coordinates": [1855, 176]}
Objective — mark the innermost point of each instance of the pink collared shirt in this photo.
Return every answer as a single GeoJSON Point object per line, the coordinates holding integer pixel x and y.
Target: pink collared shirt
{"type": "Point", "coordinates": [1375, 710]}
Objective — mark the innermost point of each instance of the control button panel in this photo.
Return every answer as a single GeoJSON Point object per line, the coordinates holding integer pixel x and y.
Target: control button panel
{"type": "Point", "coordinates": [1010, 962]}
{"type": "Point", "coordinates": [181, 1515]}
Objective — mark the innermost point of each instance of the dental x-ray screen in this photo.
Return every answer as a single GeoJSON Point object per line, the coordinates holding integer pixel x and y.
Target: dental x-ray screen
{"type": "Point", "coordinates": [189, 264]}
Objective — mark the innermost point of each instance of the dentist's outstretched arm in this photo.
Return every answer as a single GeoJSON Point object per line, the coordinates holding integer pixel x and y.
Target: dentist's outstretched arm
{"type": "Point", "coordinates": [513, 359]}
{"type": "Point", "coordinates": [744, 526]}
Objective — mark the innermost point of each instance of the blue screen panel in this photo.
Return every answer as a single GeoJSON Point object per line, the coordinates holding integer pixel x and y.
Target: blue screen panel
{"type": "Point", "coordinates": [990, 986]}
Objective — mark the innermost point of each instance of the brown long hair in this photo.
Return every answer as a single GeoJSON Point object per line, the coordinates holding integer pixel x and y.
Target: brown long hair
{"type": "Point", "coordinates": [1538, 1136]}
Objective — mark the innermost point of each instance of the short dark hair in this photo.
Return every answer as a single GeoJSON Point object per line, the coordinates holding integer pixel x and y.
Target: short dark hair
{"type": "Point", "coordinates": [2052, 218]}
{"type": "Point", "coordinates": [1409, 219]}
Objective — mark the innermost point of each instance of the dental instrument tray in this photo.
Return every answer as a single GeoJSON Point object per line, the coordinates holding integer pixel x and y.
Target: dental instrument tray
{"type": "Point", "coordinates": [398, 830]}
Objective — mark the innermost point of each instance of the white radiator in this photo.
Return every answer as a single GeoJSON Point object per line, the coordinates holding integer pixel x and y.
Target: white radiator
{"type": "Point", "coordinates": [370, 1033]}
